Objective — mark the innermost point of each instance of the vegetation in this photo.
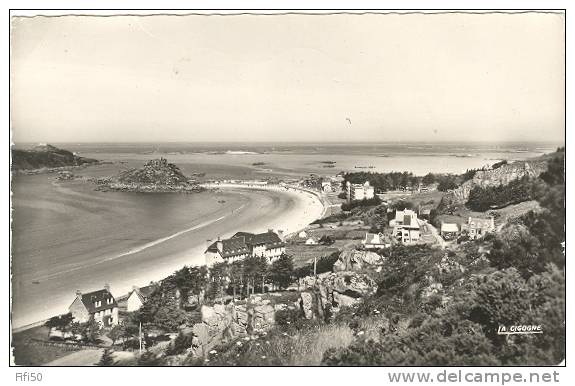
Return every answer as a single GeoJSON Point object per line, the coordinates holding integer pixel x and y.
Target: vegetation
{"type": "Point", "coordinates": [107, 359]}
{"type": "Point", "coordinates": [491, 197]}
{"type": "Point", "coordinates": [361, 203]}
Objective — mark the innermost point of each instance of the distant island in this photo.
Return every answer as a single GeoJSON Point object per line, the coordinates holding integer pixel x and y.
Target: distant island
{"type": "Point", "coordinates": [46, 158]}
{"type": "Point", "coordinates": [156, 176]}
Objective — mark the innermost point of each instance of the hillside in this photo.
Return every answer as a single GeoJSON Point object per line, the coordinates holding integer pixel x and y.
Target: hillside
{"type": "Point", "coordinates": [46, 156]}
{"type": "Point", "coordinates": [491, 178]}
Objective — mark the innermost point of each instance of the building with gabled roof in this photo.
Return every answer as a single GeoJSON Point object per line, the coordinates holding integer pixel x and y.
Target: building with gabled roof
{"type": "Point", "coordinates": [244, 244]}
{"type": "Point", "coordinates": [374, 241]}
{"type": "Point", "coordinates": [449, 230]}
{"type": "Point", "coordinates": [99, 305]}
{"type": "Point", "coordinates": [138, 296]}
{"type": "Point", "coordinates": [478, 227]}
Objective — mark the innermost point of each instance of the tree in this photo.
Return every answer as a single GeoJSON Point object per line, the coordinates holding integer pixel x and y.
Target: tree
{"type": "Point", "coordinates": [116, 332]}
{"type": "Point", "coordinates": [446, 182]}
{"type": "Point", "coordinates": [184, 282]}
{"type": "Point", "coordinates": [107, 359]}
{"type": "Point", "coordinates": [199, 279]}
{"type": "Point", "coordinates": [60, 322]}
{"type": "Point", "coordinates": [218, 281]}
{"type": "Point", "coordinates": [148, 358]}
{"type": "Point", "coordinates": [282, 271]}
{"type": "Point", "coordinates": [429, 179]}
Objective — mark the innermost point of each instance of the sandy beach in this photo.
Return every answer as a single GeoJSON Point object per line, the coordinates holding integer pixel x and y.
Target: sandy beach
{"type": "Point", "coordinates": [68, 237]}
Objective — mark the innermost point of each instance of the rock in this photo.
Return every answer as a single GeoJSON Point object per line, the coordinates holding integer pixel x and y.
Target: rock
{"type": "Point", "coordinates": [209, 315]}
{"type": "Point", "coordinates": [307, 304]}
{"type": "Point", "coordinates": [332, 291]}
{"type": "Point", "coordinates": [353, 260]}
{"type": "Point", "coordinates": [344, 300]}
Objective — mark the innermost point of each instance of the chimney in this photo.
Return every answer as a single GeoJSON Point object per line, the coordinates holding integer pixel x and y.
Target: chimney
{"type": "Point", "coordinates": [79, 294]}
{"type": "Point", "coordinates": [107, 287]}
{"type": "Point", "coordinates": [208, 243]}
{"type": "Point", "coordinates": [281, 234]}
{"type": "Point", "coordinates": [270, 230]}
{"type": "Point", "coordinates": [220, 245]}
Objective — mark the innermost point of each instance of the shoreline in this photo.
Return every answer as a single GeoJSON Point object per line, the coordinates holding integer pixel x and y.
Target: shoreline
{"type": "Point", "coordinates": [302, 209]}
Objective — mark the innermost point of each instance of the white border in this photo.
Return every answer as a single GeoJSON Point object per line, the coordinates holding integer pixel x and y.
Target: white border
{"type": "Point", "coordinates": [249, 376]}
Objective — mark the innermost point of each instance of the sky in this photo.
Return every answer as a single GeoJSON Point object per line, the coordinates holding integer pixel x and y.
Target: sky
{"type": "Point", "coordinates": [247, 78]}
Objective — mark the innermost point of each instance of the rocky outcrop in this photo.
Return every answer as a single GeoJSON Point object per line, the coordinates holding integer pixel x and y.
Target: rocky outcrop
{"type": "Point", "coordinates": [155, 176]}
{"type": "Point", "coordinates": [354, 260]}
{"type": "Point", "coordinates": [220, 324]}
{"type": "Point", "coordinates": [324, 296]}
{"type": "Point", "coordinates": [495, 177]}
{"type": "Point", "coordinates": [46, 157]}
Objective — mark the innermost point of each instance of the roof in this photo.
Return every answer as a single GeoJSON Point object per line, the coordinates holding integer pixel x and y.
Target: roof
{"type": "Point", "coordinates": [243, 242]}
{"type": "Point", "coordinates": [144, 292]}
{"type": "Point", "coordinates": [401, 214]}
{"type": "Point", "coordinates": [480, 222]}
{"type": "Point", "coordinates": [89, 300]}
{"type": "Point", "coordinates": [449, 227]}
{"type": "Point", "coordinates": [372, 238]}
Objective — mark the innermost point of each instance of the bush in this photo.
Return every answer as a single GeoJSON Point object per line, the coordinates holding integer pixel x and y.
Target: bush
{"type": "Point", "coordinates": [360, 203]}
{"type": "Point", "coordinates": [287, 317]}
{"type": "Point", "coordinates": [484, 198]}
{"type": "Point", "coordinates": [180, 344]}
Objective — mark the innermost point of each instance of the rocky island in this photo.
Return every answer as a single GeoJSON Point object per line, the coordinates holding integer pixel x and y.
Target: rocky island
{"type": "Point", "coordinates": [156, 176]}
{"type": "Point", "coordinates": [46, 158]}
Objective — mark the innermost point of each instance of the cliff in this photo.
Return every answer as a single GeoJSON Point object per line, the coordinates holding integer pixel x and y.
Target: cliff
{"type": "Point", "coordinates": [495, 177]}
{"type": "Point", "coordinates": [46, 157]}
{"type": "Point", "coordinates": [156, 175]}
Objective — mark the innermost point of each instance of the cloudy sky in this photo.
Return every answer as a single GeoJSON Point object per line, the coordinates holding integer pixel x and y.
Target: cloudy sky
{"type": "Point", "coordinates": [288, 78]}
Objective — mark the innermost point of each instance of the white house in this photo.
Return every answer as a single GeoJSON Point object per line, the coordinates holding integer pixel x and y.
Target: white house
{"type": "Point", "coordinates": [478, 227]}
{"type": "Point", "coordinates": [138, 297]}
{"type": "Point", "coordinates": [302, 235]}
{"type": "Point", "coordinates": [449, 230]}
{"type": "Point", "coordinates": [359, 191]}
{"type": "Point", "coordinates": [406, 226]}
{"type": "Point", "coordinates": [374, 241]}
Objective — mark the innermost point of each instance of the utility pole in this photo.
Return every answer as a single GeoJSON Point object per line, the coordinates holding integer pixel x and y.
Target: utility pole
{"type": "Point", "coordinates": [140, 338]}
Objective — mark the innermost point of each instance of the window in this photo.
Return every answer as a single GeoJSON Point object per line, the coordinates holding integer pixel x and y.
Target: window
{"type": "Point", "coordinates": [98, 303]}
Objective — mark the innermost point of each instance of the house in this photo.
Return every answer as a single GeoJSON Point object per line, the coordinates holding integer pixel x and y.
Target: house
{"type": "Point", "coordinates": [138, 296]}
{"type": "Point", "coordinates": [243, 244]}
{"type": "Point", "coordinates": [302, 235]}
{"type": "Point", "coordinates": [478, 227]}
{"type": "Point", "coordinates": [311, 241]}
{"type": "Point", "coordinates": [359, 191]}
{"type": "Point", "coordinates": [406, 226]}
{"type": "Point", "coordinates": [449, 230]}
{"type": "Point", "coordinates": [374, 241]}
{"type": "Point", "coordinates": [326, 187]}
{"type": "Point", "coordinates": [98, 305]}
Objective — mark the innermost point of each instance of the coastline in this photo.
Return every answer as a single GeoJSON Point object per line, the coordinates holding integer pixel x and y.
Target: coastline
{"type": "Point", "coordinates": [288, 210]}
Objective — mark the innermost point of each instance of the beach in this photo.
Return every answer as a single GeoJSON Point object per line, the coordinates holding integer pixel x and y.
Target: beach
{"type": "Point", "coordinates": [67, 236]}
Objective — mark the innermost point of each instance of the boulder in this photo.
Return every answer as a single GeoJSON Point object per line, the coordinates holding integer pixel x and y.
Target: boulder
{"type": "Point", "coordinates": [353, 260]}
{"type": "Point", "coordinates": [332, 291]}
{"type": "Point", "coordinates": [306, 302]}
